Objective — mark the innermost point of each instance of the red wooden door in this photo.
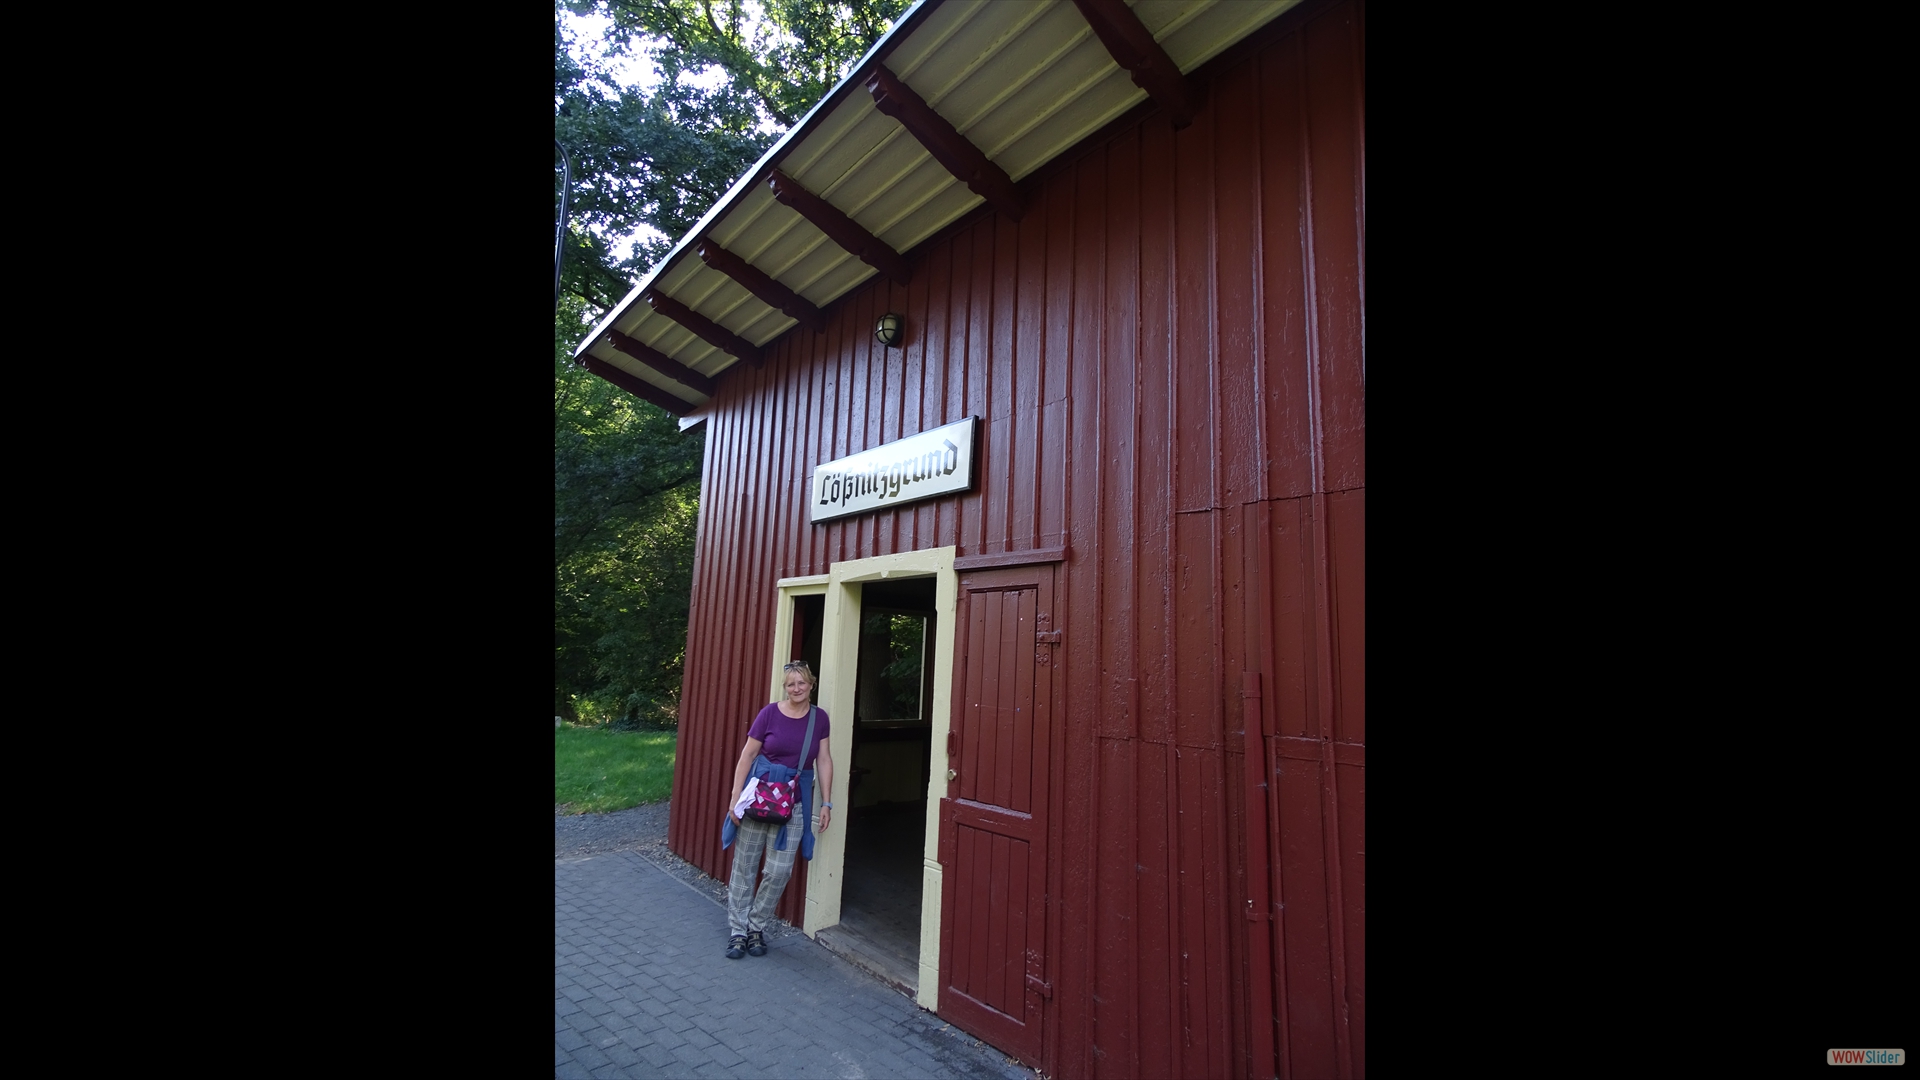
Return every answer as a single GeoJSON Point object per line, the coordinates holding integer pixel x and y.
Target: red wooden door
{"type": "Point", "coordinates": [993, 837]}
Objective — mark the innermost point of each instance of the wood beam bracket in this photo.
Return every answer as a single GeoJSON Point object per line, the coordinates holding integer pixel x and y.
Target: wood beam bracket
{"type": "Point", "coordinates": [709, 331]}
{"type": "Point", "coordinates": [759, 283]}
{"type": "Point", "coordinates": [944, 141]}
{"type": "Point", "coordinates": [662, 363]}
{"type": "Point", "coordinates": [842, 229]}
{"type": "Point", "coordinates": [1132, 46]}
{"type": "Point", "coordinates": [639, 388]}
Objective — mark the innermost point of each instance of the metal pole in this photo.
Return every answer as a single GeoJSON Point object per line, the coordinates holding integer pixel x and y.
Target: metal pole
{"type": "Point", "coordinates": [560, 230]}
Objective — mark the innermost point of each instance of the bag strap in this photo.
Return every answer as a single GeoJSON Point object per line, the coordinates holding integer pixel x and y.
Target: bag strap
{"type": "Point", "coordinates": [806, 826]}
{"type": "Point", "coordinates": [805, 745]}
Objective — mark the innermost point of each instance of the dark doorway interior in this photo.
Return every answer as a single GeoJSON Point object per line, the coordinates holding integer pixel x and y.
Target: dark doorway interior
{"type": "Point", "coordinates": [808, 611]}
{"type": "Point", "coordinates": [879, 926]}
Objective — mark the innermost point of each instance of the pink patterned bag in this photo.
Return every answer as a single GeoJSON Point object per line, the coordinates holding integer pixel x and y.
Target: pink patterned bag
{"type": "Point", "coordinates": [772, 802]}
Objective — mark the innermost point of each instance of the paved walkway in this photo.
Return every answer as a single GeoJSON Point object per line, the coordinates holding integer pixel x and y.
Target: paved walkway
{"type": "Point", "coordinates": [641, 988]}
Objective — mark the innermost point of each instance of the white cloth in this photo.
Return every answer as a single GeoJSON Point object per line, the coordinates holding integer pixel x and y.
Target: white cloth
{"type": "Point", "coordinates": [746, 797]}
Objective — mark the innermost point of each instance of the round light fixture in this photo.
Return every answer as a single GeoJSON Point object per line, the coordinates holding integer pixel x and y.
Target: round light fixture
{"type": "Point", "coordinates": [888, 329]}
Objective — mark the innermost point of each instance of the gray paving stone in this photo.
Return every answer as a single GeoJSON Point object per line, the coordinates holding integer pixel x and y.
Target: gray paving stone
{"type": "Point", "coordinates": [691, 1056]}
{"type": "Point", "coordinates": [591, 1058]}
{"type": "Point", "coordinates": [622, 1055]}
{"type": "Point", "coordinates": [641, 990]}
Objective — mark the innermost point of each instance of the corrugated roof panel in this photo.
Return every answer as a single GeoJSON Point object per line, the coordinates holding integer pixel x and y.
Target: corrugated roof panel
{"type": "Point", "coordinates": [809, 256]}
{"type": "Point", "coordinates": [763, 233]}
{"type": "Point", "coordinates": [1050, 39]}
{"type": "Point", "coordinates": [1084, 85]}
{"type": "Point", "coordinates": [678, 389]}
{"type": "Point", "coordinates": [843, 276]}
{"type": "Point", "coordinates": [728, 303]}
{"type": "Point", "coordinates": [741, 231]}
{"type": "Point", "coordinates": [647, 375]}
{"type": "Point", "coordinates": [938, 203]}
{"type": "Point", "coordinates": [1023, 82]}
{"type": "Point", "coordinates": [1162, 17]}
{"type": "Point", "coordinates": [890, 153]}
{"type": "Point", "coordinates": [932, 70]}
{"type": "Point", "coordinates": [900, 207]}
{"type": "Point", "coordinates": [675, 281]}
{"type": "Point", "coordinates": [847, 134]}
{"type": "Point", "coordinates": [1084, 109]}
{"type": "Point", "coordinates": [1208, 31]}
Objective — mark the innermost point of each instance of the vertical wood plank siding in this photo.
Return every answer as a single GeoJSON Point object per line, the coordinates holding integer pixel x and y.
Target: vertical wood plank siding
{"type": "Point", "coordinates": [1168, 352]}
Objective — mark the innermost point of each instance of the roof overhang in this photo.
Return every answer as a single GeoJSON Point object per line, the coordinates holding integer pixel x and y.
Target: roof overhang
{"type": "Point", "coordinates": [984, 90]}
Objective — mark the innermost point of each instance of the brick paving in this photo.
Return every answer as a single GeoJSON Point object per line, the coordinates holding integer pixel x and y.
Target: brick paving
{"type": "Point", "coordinates": [641, 989]}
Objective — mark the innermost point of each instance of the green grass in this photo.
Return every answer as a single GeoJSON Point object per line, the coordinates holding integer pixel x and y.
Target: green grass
{"type": "Point", "coordinates": [596, 771]}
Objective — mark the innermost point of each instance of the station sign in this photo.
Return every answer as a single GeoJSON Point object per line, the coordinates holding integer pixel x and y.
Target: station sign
{"type": "Point", "coordinates": [924, 466]}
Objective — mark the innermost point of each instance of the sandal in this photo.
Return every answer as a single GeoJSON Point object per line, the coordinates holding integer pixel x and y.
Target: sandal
{"type": "Point", "coordinates": [736, 947]}
{"type": "Point", "coordinates": [756, 943]}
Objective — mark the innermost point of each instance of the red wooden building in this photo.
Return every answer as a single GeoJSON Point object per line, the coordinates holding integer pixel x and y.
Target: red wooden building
{"type": "Point", "coordinates": [1098, 675]}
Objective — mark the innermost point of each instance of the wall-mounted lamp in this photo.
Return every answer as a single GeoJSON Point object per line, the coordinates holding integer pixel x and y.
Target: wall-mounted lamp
{"type": "Point", "coordinates": [888, 329]}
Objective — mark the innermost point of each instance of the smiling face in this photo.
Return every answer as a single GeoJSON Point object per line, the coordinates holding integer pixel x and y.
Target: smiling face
{"type": "Point", "coordinates": [798, 686]}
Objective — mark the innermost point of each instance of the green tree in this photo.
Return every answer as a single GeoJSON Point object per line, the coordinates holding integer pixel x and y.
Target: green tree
{"type": "Point", "coordinates": [625, 500]}
{"type": "Point", "coordinates": [657, 160]}
{"type": "Point", "coordinates": [785, 54]}
{"type": "Point", "coordinates": [640, 161]}
{"type": "Point", "coordinates": [646, 164]}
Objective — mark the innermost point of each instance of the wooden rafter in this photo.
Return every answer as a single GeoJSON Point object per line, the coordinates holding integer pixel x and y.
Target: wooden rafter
{"type": "Point", "coordinates": [842, 229]}
{"type": "Point", "coordinates": [639, 388]}
{"type": "Point", "coordinates": [1132, 46]}
{"type": "Point", "coordinates": [761, 284]}
{"type": "Point", "coordinates": [944, 141]}
{"type": "Point", "coordinates": [662, 363]}
{"type": "Point", "coordinates": [709, 331]}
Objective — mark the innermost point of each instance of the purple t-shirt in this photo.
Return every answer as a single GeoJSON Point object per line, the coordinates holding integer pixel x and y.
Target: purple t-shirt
{"type": "Point", "coordinates": [780, 735]}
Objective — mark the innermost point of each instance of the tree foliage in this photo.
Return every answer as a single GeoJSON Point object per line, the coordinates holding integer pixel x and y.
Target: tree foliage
{"type": "Point", "coordinates": [625, 499]}
{"type": "Point", "coordinates": [785, 53]}
{"type": "Point", "coordinates": [641, 160]}
{"type": "Point", "coordinates": [733, 75]}
{"type": "Point", "coordinates": [647, 162]}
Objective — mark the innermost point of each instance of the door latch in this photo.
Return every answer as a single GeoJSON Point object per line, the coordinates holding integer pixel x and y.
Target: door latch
{"type": "Point", "coordinates": [1043, 636]}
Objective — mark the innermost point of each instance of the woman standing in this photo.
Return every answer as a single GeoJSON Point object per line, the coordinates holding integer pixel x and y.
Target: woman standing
{"type": "Point", "coordinates": [774, 753]}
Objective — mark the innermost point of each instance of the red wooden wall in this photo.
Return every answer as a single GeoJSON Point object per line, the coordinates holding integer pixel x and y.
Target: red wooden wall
{"type": "Point", "coordinates": [1169, 354]}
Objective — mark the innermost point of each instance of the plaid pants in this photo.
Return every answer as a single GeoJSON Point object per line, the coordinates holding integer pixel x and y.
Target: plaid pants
{"type": "Point", "coordinates": [747, 910]}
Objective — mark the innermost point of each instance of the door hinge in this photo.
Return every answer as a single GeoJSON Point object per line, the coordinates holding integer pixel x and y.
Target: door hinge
{"type": "Point", "coordinates": [1042, 639]}
{"type": "Point", "coordinates": [1042, 635]}
{"type": "Point", "coordinates": [1034, 982]}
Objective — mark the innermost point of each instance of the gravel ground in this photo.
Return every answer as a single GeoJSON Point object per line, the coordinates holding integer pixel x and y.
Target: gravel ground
{"type": "Point", "coordinates": [643, 830]}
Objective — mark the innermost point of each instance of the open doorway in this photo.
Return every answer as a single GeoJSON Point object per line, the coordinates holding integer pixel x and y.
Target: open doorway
{"type": "Point", "coordinates": [880, 900]}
